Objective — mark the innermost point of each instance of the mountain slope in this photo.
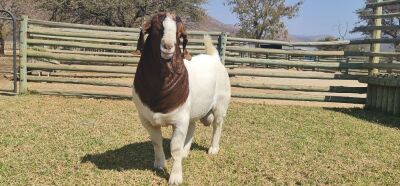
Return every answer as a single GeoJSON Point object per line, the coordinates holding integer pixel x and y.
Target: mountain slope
{"type": "Point", "coordinates": [211, 24]}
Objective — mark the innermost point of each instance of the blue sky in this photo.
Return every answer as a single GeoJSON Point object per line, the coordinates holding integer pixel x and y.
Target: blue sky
{"type": "Point", "coordinates": [316, 17]}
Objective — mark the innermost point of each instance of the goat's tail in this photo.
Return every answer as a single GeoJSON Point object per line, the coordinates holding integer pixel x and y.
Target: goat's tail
{"type": "Point", "coordinates": [209, 47]}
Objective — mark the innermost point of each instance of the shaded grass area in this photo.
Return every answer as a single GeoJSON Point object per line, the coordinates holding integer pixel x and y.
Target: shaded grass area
{"type": "Point", "coordinates": [64, 141]}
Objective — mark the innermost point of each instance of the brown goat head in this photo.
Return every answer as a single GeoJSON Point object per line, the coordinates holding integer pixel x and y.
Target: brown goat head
{"type": "Point", "coordinates": [171, 29]}
{"type": "Point", "coordinates": [161, 78]}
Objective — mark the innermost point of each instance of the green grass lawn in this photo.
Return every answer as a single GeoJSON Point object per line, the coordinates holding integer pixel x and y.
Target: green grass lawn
{"type": "Point", "coordinates": [71, 141]}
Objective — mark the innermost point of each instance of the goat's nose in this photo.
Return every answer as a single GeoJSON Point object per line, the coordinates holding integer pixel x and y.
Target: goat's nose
{"type": "Point", "coordinates": [168, 46]}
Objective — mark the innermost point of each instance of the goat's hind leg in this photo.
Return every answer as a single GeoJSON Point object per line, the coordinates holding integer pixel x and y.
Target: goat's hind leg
{"type": "Point", "coordinates": [157, 141]}
{"type": "Point", "coordinates": [219, 114]}
{"type": "Point", "coordinates": [217, 131]}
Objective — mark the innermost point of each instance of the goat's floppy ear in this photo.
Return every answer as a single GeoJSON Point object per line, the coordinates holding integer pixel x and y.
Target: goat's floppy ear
{"type": "Point", "coordinates": [183, 34]}
{"type": "Point", "coordinates": [144, 30]}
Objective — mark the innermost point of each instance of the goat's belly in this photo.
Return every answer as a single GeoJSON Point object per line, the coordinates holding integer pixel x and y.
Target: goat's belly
{"type": "Point", "coordinates": [202, 83]}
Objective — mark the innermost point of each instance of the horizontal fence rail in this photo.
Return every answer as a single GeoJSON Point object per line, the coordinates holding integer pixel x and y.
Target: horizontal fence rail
{"type": "Point", "coordinates": [80, 45]}
{"type": "Point", "coordinates": [82, 58]}
{"type": "Point", "coordinates": [253, 96]}
{"type": "Point", "coordinates": [299, 75]}
{"type": "Point", "coordinates": [82, 68]}
{"type": "Point", "coordinates": [370, 41]}
{"type": "Point", "coordinates": [278, 51]}
{"type": "Point", "coordinates": [372, 28]}
{"type": "Point", "coordinates": [295, 63]}
{"type": "Point", "coordinates": [303, 98]}
{"type": "Point", "coordinates": [376, 16]}
{"type": "Point", "coordinates": [283, 43]}
{"type": "Point", "coordinates": [305, 88]}
{"type": "Point", "coordinates": [89, 40]}
{"type": "Point", "coordinates": [81, 26]}
{"type": "Point", "coordinates": [78, 34]}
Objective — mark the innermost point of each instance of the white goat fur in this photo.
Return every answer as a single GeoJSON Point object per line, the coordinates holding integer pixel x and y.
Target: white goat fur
{"type": "Point", "coordinates": [208, 100]}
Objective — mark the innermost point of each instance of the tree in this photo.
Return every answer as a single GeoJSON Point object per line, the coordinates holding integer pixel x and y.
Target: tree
{"type": "Point", "coordinates": [343, 32]}
{"type": "Point", "coordinates": [263, 19]}
{"type": "Point", "coordinates": [23, 7]}
{"type": "Point", "coordinates": [387, 21]}
{"type": "Point", "coordinates": [124, 13]}
{"type": "Point", "coordinates": [16, 7]}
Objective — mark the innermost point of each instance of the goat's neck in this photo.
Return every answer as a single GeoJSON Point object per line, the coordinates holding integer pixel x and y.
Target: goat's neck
{"type": "Point", "coordinates": [162, 85]}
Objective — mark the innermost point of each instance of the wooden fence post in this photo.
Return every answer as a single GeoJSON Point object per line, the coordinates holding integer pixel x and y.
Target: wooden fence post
{"type": "Point", "coordinates": [368, 105]}
{"type": "Point", "coordinates": [390, 99]}
{"type": "Point", "coordinates": [396, 106]}
{"type": "Point", "coordinates": [376, 47]}
{"type": "Point", "coordinates": [222, 40]}
{"type": "Point", "coordinates": [23, 59]}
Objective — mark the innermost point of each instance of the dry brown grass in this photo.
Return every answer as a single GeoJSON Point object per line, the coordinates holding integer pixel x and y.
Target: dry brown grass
{"type": "Point", "coordinates": [69, 141]}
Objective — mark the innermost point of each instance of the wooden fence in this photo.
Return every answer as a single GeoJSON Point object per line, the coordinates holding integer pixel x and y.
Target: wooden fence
{"type": "Point", "coordinates": [100, 49]}
{"type": "Point", "coordinates": [54, 46]}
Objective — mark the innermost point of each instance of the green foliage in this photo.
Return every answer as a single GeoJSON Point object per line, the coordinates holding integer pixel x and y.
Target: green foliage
{"type": "Point", "coordinates": [23, 7]}
{"type": "Point", "coordinates": [262, 19]}
{"type": "Point", "coordinates": [14, 6]}
{"type": "Point", "coordinates": [386, 22]}
{"type": "Point", "coordinates": [390, 21]}
{"type": "Point", "coordinates": [125, 13]}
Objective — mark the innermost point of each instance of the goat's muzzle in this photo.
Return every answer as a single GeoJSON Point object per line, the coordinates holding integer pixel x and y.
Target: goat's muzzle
{"type": "Point", "coordinates": [167, 51]}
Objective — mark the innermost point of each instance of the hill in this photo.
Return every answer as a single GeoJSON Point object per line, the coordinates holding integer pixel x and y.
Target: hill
{"type": "Point", "coordinates": [211, 24]}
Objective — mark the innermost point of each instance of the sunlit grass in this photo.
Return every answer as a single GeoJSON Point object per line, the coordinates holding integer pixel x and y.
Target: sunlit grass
{"type": "Point", "coordinates": [71, 141]}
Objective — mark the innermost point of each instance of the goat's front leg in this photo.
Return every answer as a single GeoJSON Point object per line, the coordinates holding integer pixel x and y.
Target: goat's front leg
{"type": "Point", "coordinates": [157, 140]}
{"type": "Point", "coordinates": [177, 143]}
{"type": "Point", "coordinates": [189, 139]}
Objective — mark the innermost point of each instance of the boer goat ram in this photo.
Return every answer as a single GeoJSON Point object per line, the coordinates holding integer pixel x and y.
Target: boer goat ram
{"type": "Point", "coordinates": [172, 91]}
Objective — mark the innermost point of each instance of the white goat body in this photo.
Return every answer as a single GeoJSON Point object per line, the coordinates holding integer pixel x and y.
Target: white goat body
{"type": "Point", "coordinates": [208, 100]}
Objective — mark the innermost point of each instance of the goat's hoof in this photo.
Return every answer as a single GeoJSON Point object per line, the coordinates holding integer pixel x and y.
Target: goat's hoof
{"type": "Point", "coordinates": [159, 169]}
{"type": "Point", "coordinates": [159, 166]}
{"type": "Point", "coordinates": [213, 150]}
{"type": "Point", "coordinates": [175, 179]}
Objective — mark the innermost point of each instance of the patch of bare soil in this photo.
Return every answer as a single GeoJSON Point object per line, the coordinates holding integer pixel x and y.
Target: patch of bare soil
{"type": "Point", "coordinates": [5, 65]}
{"type": "Point", "coordinates": [5, 74]}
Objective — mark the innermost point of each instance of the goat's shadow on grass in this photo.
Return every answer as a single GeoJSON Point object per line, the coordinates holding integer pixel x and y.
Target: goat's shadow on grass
{"type": "Point", "coordinates": [372, 116]}
{"type": "Point", "coordinates": [136, 156]}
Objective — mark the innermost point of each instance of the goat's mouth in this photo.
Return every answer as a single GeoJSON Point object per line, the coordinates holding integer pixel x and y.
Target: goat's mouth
{"type": "Point", "coordinates": [167, 54]}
